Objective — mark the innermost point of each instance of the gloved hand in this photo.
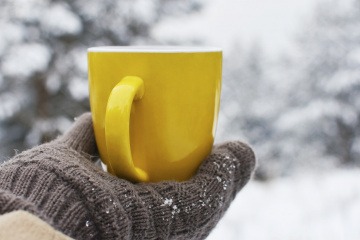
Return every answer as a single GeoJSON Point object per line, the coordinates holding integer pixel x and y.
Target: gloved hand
{"type": "Point", "coordinates": [59, 182]}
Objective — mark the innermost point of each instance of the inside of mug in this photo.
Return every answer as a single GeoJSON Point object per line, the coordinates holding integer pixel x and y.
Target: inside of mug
{"type": "Point", "coordinates": [165, 49]}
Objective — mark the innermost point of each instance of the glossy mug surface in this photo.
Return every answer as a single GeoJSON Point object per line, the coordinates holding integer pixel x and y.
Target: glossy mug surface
{"type": "Point", "coordinates": [154, 109]}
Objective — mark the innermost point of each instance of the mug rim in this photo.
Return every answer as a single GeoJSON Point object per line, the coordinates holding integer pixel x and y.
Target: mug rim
{"type": "Point", "coordinates": [155, 49]}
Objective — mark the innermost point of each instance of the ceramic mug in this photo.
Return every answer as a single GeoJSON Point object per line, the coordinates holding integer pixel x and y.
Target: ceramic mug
{"type": "Point", "coordinates": [154, 109]}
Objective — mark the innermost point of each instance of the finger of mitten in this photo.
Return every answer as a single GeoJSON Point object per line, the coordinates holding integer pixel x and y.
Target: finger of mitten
{"type": "Point", "coordinates": [194, 207]}
{"type": "Point", "coordinates": [191, 209]}
{"type": "Point", "coordinates": [230, 160]}
{"type": "Point", "coordinates": [80, 136]}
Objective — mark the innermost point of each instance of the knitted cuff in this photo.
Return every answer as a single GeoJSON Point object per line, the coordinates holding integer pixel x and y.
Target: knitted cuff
{"type": "Point", "coordinates": [10, 202]}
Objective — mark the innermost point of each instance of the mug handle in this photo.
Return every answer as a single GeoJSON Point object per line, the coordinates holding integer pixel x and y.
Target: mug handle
{"type": "Point", "coordinates": [117, 128]}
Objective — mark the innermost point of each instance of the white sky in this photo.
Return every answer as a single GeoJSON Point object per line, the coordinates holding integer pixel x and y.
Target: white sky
{"type": "Point", "coordinates": [271, 23]}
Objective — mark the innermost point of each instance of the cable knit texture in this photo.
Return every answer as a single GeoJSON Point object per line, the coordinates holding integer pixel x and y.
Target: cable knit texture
{"type": "Point", "coordinates": [59, 182]}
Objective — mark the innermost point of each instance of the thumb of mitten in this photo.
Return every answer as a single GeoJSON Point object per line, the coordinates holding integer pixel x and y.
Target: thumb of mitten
{"type": "Point", "coordinates": [80, 136]}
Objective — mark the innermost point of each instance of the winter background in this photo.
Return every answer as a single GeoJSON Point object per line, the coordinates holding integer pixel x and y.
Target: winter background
{"type": "Point", "coordinates": [291, 89]}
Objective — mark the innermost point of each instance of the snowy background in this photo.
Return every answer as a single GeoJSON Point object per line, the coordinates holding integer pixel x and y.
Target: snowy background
{"type": "Point", "coordinates": [291, 88]}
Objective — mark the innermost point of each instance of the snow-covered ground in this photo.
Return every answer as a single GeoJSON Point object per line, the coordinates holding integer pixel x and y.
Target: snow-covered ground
{"type": "Point", "coordinates": [312, 206]}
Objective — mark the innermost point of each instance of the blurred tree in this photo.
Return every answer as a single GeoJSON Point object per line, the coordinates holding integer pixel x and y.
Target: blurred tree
{"type": "Point", "coordinates": [243, 87]}
{"type": "Point", "coordinates": [303, 110]}
{"type": "Point", "coordinates": [323, 112]}
{"type": "Point", "coordinates": [43, 66]}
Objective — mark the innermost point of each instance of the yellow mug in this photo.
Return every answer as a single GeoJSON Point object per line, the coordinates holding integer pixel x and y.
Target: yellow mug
{"type": "Point", "coordinates": [154, 109]}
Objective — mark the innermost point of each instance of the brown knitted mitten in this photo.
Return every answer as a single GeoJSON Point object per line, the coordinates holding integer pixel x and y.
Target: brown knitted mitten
{"type": "Point", "coordinates": [59, 182]}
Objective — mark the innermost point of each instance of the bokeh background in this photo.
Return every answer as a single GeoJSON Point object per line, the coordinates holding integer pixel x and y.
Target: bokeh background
{"type": "Point", "coordinates": [291, 89]}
